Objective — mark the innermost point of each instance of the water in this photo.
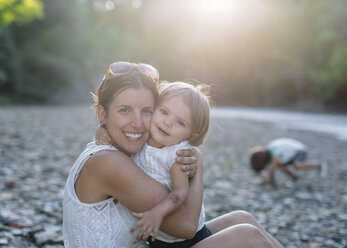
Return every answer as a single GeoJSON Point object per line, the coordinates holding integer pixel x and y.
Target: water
{"type": "Point", "coordinates": [326, 123]}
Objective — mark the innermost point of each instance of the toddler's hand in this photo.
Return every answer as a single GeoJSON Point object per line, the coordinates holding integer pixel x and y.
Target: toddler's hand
{"type": "Point", "coordinates": [149, 223]}
{"type": "Point", "coordinates": [102, 137]}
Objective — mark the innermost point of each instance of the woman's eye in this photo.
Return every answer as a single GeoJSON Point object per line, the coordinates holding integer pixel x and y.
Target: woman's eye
{"type": "Point", "coordinates": [181, 123]}
{"type": "Point", "coordinates": [124, 110]}
{"type": "Point", "coordinates": [163, 111]}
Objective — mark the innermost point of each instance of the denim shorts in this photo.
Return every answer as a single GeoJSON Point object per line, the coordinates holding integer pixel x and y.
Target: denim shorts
{"type": "Point", "coordinates": [298, 158]}
{"type": "Point", "coordinates": [200, 235]}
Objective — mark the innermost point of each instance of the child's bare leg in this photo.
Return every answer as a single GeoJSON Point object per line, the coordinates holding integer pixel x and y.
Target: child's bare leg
{"type": "Point", "coordinates": [306, 165]}
{"type": "Point", "coordinates": [235, 218]}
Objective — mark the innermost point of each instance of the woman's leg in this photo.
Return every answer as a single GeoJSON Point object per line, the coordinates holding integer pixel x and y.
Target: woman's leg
{"type": "Point", "coordinates": [237, 236]}
{"type": "Point", "coordinates": [235, 218]}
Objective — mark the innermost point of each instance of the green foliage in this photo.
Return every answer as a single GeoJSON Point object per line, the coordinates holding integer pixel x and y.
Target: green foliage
{"type": "Point", "coordinates": [331, 83]}
{"type": "Point", "coordinates": [5, 100]}
{"type": "Point", "coordinates": [41, 57]}
{"type": "Point", "coordinates": [20, 12]}
{"type": "Point", "coordinates": [338, 64]}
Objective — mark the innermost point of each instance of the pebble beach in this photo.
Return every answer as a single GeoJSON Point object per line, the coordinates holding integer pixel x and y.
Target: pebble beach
{"type": "Point", "coordinates": [39, 144]}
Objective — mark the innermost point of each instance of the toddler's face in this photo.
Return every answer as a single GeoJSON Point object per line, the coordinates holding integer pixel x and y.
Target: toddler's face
{"type": "Point", "coordinates": [171, 122]}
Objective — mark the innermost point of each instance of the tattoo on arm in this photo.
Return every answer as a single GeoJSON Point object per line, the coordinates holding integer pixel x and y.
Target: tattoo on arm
{"type": "Point", "coordinates": [174, 198]}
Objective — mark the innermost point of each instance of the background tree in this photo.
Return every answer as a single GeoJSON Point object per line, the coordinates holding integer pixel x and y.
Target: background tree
{"type": "Point", "coordinates": [20, 12]}
{"type": "Point", "coordinates": [256, 53]}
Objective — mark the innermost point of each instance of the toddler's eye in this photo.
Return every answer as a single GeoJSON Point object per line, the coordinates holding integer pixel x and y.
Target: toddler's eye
{"type": "Point", "coordinates": [163, 111]}
{"type": "Point", "coordinates": [181, 123]}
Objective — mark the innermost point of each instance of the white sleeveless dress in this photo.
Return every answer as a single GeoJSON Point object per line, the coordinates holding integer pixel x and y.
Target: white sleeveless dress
{"type": "Point", "coordinates": [104, 224]}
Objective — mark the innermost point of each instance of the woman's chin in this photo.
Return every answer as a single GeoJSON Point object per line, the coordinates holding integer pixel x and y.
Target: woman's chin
{"type": "Point", "coordinates": [133, 147]}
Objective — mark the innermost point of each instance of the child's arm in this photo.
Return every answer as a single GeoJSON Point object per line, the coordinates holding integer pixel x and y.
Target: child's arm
{"type": "Point", "coordinates": [187, 216]}
{"type": "Point", "coordinates": [288, 172]}
{"type": "Point", "coordinates": [102, 137]}
{"type": "Point", "coordinates": [273, 166]}
{"type": "Point", "coordinates": [150, 221]}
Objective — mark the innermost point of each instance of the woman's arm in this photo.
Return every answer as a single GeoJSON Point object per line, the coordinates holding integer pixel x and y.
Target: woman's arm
{"type": "Point", "coordinates": [120, 178]}
{"type": "Point", "coordinates": [127, 183]}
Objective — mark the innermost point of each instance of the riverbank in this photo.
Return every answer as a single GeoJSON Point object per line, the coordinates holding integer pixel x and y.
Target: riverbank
{"type": "Point", "coordinates": [39, 145]}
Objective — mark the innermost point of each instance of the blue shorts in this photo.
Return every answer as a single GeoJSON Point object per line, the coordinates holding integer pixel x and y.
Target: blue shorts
{"type": "Point", "coordinates": [298, 158]}
{"type": "Point", "coordinates": [200, 235]}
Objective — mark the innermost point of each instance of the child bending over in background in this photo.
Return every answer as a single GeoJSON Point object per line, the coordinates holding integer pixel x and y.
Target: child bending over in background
{"type": "Point", "coordinates": [280, 154]}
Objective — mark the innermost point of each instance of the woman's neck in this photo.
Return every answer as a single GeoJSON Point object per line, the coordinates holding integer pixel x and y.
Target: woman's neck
{"type": "Point", "coordinates": [120, 149]}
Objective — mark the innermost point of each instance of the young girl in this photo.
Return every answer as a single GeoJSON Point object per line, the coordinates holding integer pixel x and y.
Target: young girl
{"type": "Point", "coordinates": [180, 120]}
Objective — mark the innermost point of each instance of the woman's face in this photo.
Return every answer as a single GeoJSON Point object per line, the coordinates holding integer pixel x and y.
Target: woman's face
{"type": "Point", "coordinates": [128, 119]}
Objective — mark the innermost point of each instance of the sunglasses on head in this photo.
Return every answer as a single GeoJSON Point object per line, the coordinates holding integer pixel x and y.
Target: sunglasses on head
{"type": "Point", "coordinates": [121, 68]}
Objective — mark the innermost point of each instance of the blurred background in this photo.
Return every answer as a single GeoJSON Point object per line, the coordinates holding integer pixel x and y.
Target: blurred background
{"type": "Point", "coordinates": [266, 53]}
{"type": "Point", "coordinates": [261, 57]}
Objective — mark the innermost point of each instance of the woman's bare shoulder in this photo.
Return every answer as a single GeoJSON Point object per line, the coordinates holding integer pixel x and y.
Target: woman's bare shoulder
{"type": "Point", "coordinates": [109, 159]}
{"type": "Point", "coordinates": [103, 175]}
{"type": "Point", "coordinates": [109, 154]}
{"type": "Point", "coordinates": [107, 171]}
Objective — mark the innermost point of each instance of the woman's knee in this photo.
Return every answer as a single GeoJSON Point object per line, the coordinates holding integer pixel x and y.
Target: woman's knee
{"type": "Point", "coordinates": [251, 236]}
{"type": "Point", "coordinates": [237, 236]}
{"type": "Point", "coordinates": [241, 216]}
{"type": "Point", "coordinates": [246, 229]}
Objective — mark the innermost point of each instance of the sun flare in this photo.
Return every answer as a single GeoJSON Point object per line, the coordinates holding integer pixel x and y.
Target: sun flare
{"type": "Point", "coordinates": [234, 9]}
{"type": "Point", "coordinates": [215, 7]}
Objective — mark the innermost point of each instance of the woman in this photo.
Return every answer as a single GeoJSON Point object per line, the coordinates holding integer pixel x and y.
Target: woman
{"type": "Point", "coordinates": [105, 186]}
{"type": "Point", "coordinates": [104, 183]}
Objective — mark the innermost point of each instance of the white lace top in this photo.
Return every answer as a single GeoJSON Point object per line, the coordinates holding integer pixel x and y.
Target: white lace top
{"type": "Point", "coordinates": [157, 163]}
{"type": "Point", "coordinates": [104, 224]}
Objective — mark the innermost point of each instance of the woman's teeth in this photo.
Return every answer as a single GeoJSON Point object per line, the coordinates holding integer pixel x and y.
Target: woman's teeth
{"type": "Point", "coordinates": [132, 135]}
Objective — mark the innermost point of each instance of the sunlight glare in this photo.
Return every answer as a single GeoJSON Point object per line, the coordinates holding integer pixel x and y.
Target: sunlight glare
{"type": "Point", "coordinates": [234, 9]}
{"type": "Point", "coordinates": [216, 7]}
{"type": "Point", "coordinates": [212, 6]}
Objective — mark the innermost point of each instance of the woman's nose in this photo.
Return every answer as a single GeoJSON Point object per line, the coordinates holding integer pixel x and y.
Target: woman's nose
{"type": "Point", "coordinates": [137, 121]}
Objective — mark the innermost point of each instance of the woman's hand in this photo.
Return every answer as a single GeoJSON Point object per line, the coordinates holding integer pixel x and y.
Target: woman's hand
{"type": "Point", "coordinates": [190, 159]}
{"type": "Point", "coordinates": [102, 137]}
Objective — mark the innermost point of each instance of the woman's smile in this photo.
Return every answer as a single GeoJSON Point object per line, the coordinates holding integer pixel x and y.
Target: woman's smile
{"type": "Point", "coordinates": [133, 136]}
